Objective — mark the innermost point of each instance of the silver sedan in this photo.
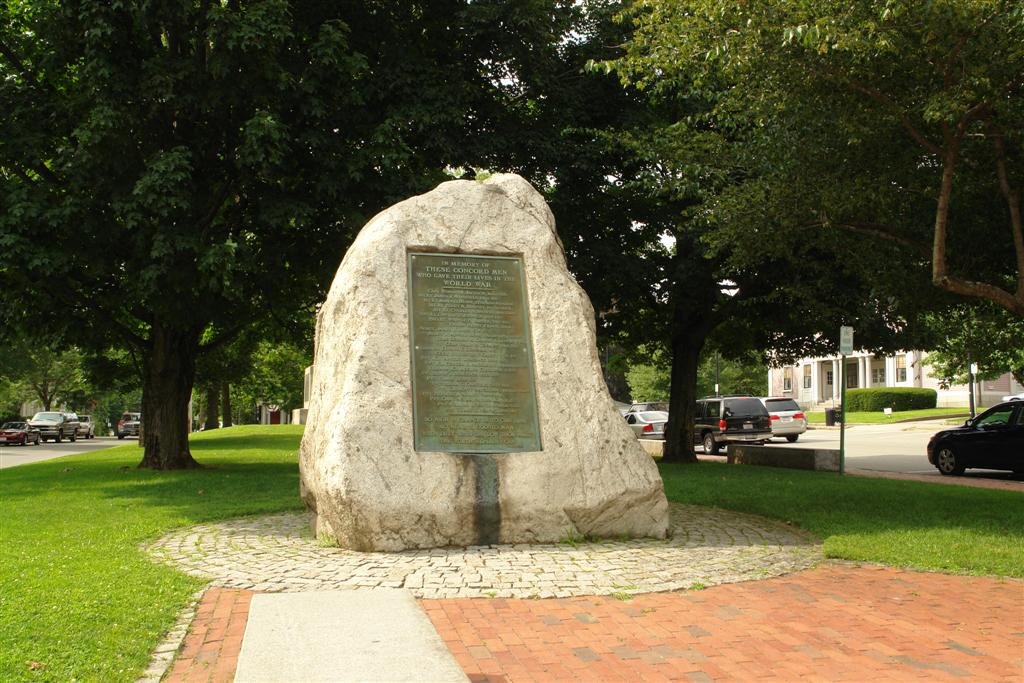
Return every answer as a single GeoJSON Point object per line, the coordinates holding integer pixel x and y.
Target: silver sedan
{"type": "Point", "coordinates": [648, 424]}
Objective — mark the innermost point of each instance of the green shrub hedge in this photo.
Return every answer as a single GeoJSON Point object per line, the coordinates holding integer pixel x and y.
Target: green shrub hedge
{"type": "Point", "coordinates": [897, 398]}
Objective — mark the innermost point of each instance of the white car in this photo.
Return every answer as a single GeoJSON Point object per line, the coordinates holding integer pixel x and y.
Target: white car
{"type": "Point", "coordinates": [647, 424]}
{"type": "Point", "coordinates": [788, 419]}
{"type": "Point", "coordinates": [1014, 397]}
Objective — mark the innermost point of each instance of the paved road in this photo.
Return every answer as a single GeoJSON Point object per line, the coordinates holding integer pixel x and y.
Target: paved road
{"type": "Point", "coordinates": [896, 447]}
{"type": "Point", "coordinates": [12, 456]}
{"type": "Point", "coordinates": [899, 447]}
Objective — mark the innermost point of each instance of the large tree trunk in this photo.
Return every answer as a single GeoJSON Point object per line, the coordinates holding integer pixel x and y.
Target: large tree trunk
{"type": "Point", "coordinates": [211, 407]}
{"type": "Point", "coordinates": [613, 370]}
{"type": "Point", "coordinates": [168, 371]}
{"type": "Point", "coordinates": [682, 397]}
{"type": "Point", "coordinates": [225, 403]}
{"type": "Point", "coordinates": [694, 292]}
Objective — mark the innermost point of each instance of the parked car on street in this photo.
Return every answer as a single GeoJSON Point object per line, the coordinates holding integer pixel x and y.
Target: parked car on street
{"type": "Point", "coordinates": [648, 424]}
{"type": "Point", "coordinates": [54, 426]}
{"type": "Point", "coordinates": [1014, 397]}
{"type": "Point", "coordinates": [129, 425]}
{"type": "Point", "coordinates": [72, 423]}
{"type": "Point", "coordinates": [14, 433]}
{"type": "Point", "coordinates": [788, 420]}
{"type": "Point", "coordinates": [86, 428]}
{"type": "Point", "coordinates": [993, 440]}
{"type": "Point", "coordinates": [731, 419]}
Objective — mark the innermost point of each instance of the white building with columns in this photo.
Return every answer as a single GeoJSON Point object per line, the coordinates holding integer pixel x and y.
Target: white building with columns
{"type": "Point", "coordinates": [815, 382]}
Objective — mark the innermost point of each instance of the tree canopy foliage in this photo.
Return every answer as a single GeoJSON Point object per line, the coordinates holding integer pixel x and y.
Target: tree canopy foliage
{"type": "Point", "coordinates": [898, 120]}
{"type": "Point", "coordinates": [986, 335]}
{"type": "Point", "coordinates": [41, 374]}
{"type": "Point", "coordinates": [275, 376]}
{"type": "Point", "coordinates": [649, 188]}
{"type": "Point", "coordinates": [651, 381]}
{"type": "Point", "coordinates": [172, 173]}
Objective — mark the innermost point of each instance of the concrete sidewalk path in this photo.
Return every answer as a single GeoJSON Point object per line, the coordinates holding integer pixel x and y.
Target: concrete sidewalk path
{"type": "Point", "coordinates": [342, 636]}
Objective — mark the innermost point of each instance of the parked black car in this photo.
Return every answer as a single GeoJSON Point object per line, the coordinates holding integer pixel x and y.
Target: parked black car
{"type": "Point", "coordinates": [731, 419]}
{"type": "Point", "coordinates": [994, 440]}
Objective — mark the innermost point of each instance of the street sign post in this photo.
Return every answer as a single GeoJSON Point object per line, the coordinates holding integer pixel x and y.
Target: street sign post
{"type": "Point", "coordinates": [842, 417]}
{"type": "Point", "coordinates": [845, 349]}
{"type": "Point", "coordinates": [845, 340]}
{"type": "Point", "coordinates": [972, 379]}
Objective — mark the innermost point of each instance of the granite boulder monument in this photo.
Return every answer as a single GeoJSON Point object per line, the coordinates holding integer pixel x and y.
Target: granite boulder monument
{"type": "Point", "coordinates": [457, 397]}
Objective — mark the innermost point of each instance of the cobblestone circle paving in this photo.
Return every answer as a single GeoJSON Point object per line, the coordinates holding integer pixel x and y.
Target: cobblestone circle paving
{"type": "Point", "coordinates": [708, 547]}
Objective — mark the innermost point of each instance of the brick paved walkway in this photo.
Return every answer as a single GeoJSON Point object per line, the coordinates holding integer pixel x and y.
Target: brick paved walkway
{"type": "Point", "coordinates": [209, 653]}
{"type": "Point", "coordinates": [836, 622]}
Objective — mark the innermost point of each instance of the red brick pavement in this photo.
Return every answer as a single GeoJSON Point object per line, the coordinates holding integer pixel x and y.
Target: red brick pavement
{"type": "Point", "coordinates": [209, 653]}
{"type": "Point", "coordinates": [838, 622]}
{"type": "Point", "coordinates": [835, 623]}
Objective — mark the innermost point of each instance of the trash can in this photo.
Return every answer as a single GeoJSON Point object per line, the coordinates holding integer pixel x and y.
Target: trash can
{"type": "Point", "coordinates": [832, 416]}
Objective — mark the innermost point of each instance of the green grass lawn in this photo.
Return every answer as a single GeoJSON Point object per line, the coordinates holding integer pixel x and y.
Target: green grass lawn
{"type": "Point", "coordinates": [80, 601]}
{"type": "Point", "coordinates": [878, 417]}
{"type": "Point", "coordinates": [900, 523]}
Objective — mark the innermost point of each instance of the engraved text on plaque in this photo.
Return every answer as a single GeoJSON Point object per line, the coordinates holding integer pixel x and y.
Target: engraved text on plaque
{"type": "Point", "coordinates": [472, 358]}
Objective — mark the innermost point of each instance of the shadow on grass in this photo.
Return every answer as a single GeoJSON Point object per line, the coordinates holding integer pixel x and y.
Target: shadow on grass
{"type": "Point", "coordinates": [239, 441]}
{"type": "Point", "coordinates": [195, 496]}
{"type": "Point", "coordinates": [246, 473]}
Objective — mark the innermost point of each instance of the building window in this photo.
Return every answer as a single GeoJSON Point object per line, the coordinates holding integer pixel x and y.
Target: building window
{"type": "Point", "coordinates": [787, 379]}
{"type": "Point", "coordinates": [807, 377]}
{"type": "Point", "coordinates": [851, 376]}
{"type": "Point", "coordinates": [901, 368]}
{"type": "Point", "coordinates": [878, 376]}
{"type": "Point", "coordinates": [829, 378]}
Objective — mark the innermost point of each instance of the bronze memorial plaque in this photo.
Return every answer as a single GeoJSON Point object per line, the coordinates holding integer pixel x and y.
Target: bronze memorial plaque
{"type": "Point", "coordinates": [472, 358]}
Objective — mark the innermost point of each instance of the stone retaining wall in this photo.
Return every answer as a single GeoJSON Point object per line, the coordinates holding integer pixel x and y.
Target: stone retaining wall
{"type": "Point", "coordinates": [653, 448]}
{"type": "Point", "coordinates": [820, 459]}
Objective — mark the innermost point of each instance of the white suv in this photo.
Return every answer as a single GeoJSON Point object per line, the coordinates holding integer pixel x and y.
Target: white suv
{"type": "Point", "coordinates": [788, 419]}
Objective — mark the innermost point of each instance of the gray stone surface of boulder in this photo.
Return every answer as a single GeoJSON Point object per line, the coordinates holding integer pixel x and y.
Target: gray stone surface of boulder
{"type": "Point", "coordinates": [360, 474]}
